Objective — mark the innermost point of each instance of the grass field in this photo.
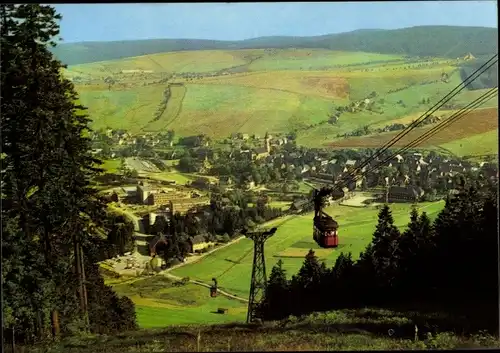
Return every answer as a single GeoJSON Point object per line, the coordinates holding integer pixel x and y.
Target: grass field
{"type": "Point", "coordinates": [306, 59]}
{"type": "Point", "coordinates": [160, 303]}
{"type": "Point", "coordinates": [172, 111]}
{"type": "Point", "coordinates": [382, 81]}
{"type": "Point", "coordinates": [182, 61]}
{"type": "Point", "coordinates": [325, 84]}
{"type": "Point", "coordinates": [219, 110]}
{"type": "Point", "coordinates": [476, 145]}
{"type": "Point", "coordinates": [125, 109]}
{"type": "Point", "coordinates": [475, 123]}
{"type": "Point", "coordinates": [295, 237]}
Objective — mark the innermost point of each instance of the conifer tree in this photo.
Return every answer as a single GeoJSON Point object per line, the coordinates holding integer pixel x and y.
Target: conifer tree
{"type": "Point", "coordinates": [48, 168]}
{"type": "Point", "coordinates": [276, 297]}
{"type": "Point", "coordinates": [384, 251]}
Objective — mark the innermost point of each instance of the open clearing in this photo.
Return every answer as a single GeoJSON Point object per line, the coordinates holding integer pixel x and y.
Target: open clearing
{"type": "Point", "coordinates": [232, 265]}
{"type": "Point", "coordinates": [474, 123]}
{"type": "Point", "coordinates": [181, 61]}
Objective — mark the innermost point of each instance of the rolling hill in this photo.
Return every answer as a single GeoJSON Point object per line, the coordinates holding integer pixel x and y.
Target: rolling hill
{"type": "Point", "coordinates": [261, 88]}
{"type": "Point", "coordinates": [442, 41]}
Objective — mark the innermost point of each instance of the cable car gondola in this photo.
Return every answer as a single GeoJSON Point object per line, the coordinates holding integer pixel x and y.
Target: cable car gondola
{"type": "Point", "coordinates": [213, 288]}
{"type": "Point", "coordinates": [325, 228]}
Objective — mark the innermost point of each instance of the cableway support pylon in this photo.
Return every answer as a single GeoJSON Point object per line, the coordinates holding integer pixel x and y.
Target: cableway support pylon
{"type": "Point", "coordinates": [258, 281]}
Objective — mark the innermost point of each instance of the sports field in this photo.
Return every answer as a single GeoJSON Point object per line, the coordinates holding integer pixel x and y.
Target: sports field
{"type": "Point", "coordinates": [232, 265]}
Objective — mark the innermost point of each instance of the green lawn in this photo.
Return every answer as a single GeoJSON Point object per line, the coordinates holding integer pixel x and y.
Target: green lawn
{"type": "Point", "coordinates": [291, 243]}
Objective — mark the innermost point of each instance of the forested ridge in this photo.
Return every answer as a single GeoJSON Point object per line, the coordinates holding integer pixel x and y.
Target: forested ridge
{"type": "Point", "coordinates": [437, 41]}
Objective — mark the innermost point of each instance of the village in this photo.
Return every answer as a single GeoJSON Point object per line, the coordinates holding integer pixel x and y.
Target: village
{"type": "Point", "coordinates": [243, 170]}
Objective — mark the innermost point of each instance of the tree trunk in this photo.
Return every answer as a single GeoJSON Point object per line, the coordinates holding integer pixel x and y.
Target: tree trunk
{"type": "Point", "coordinates": [84, 288]}
{"type": "Point", "coordinates": [56, 329]}
{"type": "Point", "coordinates": [78, 268]}
{"type": "Point", "coordinates": [48, 255]}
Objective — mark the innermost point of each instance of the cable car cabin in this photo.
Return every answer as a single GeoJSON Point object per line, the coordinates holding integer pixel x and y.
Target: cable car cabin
{"type": "Point", "coordinates": [325, 231]}
{"type": "Point", "coordinates": [213, 288]}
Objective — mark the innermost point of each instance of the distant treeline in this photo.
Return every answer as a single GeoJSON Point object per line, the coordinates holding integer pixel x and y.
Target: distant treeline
{"type": "Point", "coordinates": [441, 41]}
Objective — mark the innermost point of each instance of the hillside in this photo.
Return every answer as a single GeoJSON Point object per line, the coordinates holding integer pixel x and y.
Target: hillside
{"type": "Point", "coordinates": [364, 329]}
{"type": "Point", "coordinates": [220, 92]}
{"type": "Point", "coordinates": [442, 41]}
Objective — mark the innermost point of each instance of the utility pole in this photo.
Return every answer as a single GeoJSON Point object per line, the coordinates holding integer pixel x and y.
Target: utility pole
{"type": "Point", "coordinates": [258, 282]}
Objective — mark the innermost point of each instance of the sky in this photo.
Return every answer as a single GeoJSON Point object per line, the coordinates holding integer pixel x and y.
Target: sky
{"type": "Point", "coordinates": [237, 21]}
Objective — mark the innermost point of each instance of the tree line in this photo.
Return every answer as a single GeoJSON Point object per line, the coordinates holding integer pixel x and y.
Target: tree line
{"type": "Point", "coordinates": [449, 266]}
{"type": "Point", "coordinates": [50, 208]}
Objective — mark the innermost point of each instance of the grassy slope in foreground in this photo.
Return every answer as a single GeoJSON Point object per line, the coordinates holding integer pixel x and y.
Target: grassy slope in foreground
{"type": "Point", "coordinates": [364, 329]}
{"type": "Point", "coordinates": [291, 243]}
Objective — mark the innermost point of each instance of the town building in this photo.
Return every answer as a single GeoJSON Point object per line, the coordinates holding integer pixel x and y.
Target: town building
{"type": "Point", "coordinates": [198, 243]}
{"type": "Point", "coordinates": [405, 193]}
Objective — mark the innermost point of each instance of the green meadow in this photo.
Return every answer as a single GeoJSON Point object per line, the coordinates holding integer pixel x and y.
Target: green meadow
{"type": "Point", "coordinates": [232, 265]}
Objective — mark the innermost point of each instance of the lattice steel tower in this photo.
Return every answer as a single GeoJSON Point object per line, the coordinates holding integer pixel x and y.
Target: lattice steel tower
{"type": "Point", "coordinates": [259, 279]}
